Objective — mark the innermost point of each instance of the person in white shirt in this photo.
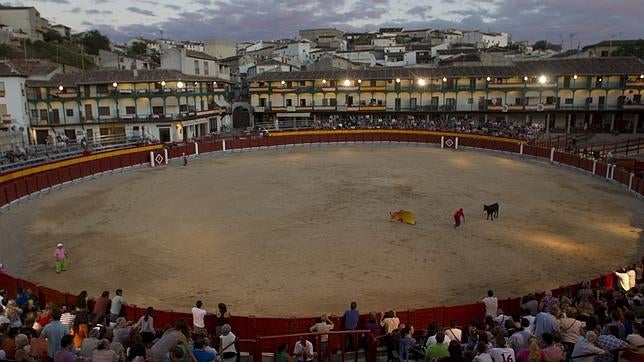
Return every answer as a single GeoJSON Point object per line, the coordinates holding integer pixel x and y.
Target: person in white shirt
{"type": "Point", "coordinates": [632, 277]}
{"type": "Point", "coordinates": [324, 325]}
{"type": "Point", "coordinates": [501, 353]}
{"type": "Point", "coordinates": [624, 280]}
{"type": "Point", "coordinates": [198, 315]}
{"type": "Point", "coordinates": [636, 340]}
{"type": "Point", "coordinates": [585, 349]}
{"type": "Point", "coordinates": [491, 304]}
{"type": "Point", "coordinates": [303, 350]}
{"type": "Point", "coordinates": [452, 332]}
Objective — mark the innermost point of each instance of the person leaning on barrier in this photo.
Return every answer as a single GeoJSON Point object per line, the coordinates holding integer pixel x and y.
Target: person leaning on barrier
{"type": "Point", "coordinates": [303, 350]}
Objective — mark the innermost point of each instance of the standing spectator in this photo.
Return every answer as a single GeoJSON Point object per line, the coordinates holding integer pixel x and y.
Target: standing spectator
{"type": "Point", "coordinates": [491, 304]}
{"type": "Point", "coordinates": [59, 257]}
{"type": "Point", "coordinates": [585, 349]}
{"type": "Point", "coordinates": [519, 340]}
{"type": "Point", "coordinates": [80, 329]}
{"type": "Point", "coordinates": [117, 303]}
{"type": "Point", "coordinates": [548, 302]}
{"type": "Point", "coordinates": [372, 325]}
{"type": "Point", "coordinates": [198, 315]}
{"type": "Point", "coordinates": [455, 353]}
{"type": "Point", "coordinates": [101, 305]}
{"type": "Point", "coordinates": [530, 304]}
{"type": "Point", "coordinates": [65, 353]}
{"type": "Point", "coordinates": [571, 329]}
{"type": "Point", "coordinates": [227, 339]}
{"type": "Point", "coordinates": [482, 353]}
{"type": "Point", "coordinates": [532, 353]}
{"type": "Point", "coordinates": [146, 325]}
{"type": "Point", "coordinates": [406, 345]}
{"type": "Point", "coordinates": [303, 350]}
{"type": "Point", "coordinates": [501, 353]}
{"type": "Point", "coordinates": [615, 321]}
{"type": "Point", "coordinates": [178, 336]}
{"type": "Point", "coordinates": [323, 326]}
{"type": "Point", "coordinates": [351, 317]}
{"type": "Point", "coordinates": [391, 323]}
{"type": "Point", "coordinates": [624, 279]}
{"type": "Point", "coordinates": [81, 302]}
{"type": "Point", "coordinates": [54, 332]}
{"type": "Point", "coordinates": [632, 277]}
{"type": "Point", "coordinates": [454, 333]}
{"type": "Point", "coordinates": [545, 323]}
{"type": "Point", "coordinates": [13, 313]}
{"type": "Point", "coordinates": [223, 317]}
{"type": "Point", "coordinates": [282, 355]}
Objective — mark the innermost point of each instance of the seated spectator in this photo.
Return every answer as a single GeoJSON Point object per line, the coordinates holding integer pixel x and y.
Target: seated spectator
{"type": "Point", "coordinates": [519, 340]}
{"type": "Point", "coordinates": [636, 340]}
{"type": "Point", "coordinates": [406, 344]}
{"type": "Point", "coordinates": [66, 353]}
{"type": "Point", "coordinates": [550, 352]}
{"type": "Point", "coordinates": [172, 338]}
{"type": "Point", "coordinates": [585, 349]}
{"type": "Point", "coordinates": [121, 330]}
{"type": "Point", "coordinates": [282, 355]}
{"type": "Point", "coordinates": [136, 353]}
{"type": "Point", "coordinates": [23, 350]}
{"type": "Point", "coordinates": [532, 353]}
{"type": "Point", "coordinates": [611, 343]}
{"type": "Point", "coordinates": [437, 350]}
{"type": "Point", "coordinates": [39, 347]}
{"type": "Point", "coordinates": [455, 353]}
{"type": "Point", "coordinates": [9, 343]}
{"type": "Point", "coordinates": [548, 302]}
{"type": "Point", "coordinates": [103, 353]}
{"type": "Point", "coordinates": [303, 350]}
{"type": "Point", "coordinates": [200, 352]}
{"type": "Point", "coordinates": [482, 353]}
{"type": "Point", "coordinates": [453, 332]}
{"type": "Point", "coordinates": [89, 344]}
{"type": "Point", "coordinates": [501, 353]}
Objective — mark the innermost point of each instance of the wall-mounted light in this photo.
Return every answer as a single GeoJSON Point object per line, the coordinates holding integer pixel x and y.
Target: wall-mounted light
{"type": "Point", "coordinates": [574, 77]}
{"type": "Point", "coordinates": [360, 80]}
{"type": "Point", "coordinates": [542, 79]}
{"type": "Point", "coordinates": [421, 82]}
{"type": "Point", "coordinates": [180, 84]}
{"type": "Point", "coordinates": [347, 82]}
{"type": "Point", "coordinates": [61, 88]}
{"type": "Point", "coordinates": [323, 81]}
{"type": "Point", "coordinates": [115, 84]}
{"type": "Point", "coordinates": [397, 80]}
{"type": "Point", "coordinates": [488, 79]}
{"type": "Point", "coordinates": [444, 79]}
{"type": "Point", "coordinates": [163, 83]}
{"type": "Point", "coordinates": [525, 79]}
{"type": "Point", "coordinates": [283, 82]}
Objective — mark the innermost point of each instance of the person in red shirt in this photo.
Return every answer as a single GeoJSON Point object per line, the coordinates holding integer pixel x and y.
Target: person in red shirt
{"type": "Point", "coordinates": [101, 307]}
{"type": "Point", "coordinates": [457, 217]}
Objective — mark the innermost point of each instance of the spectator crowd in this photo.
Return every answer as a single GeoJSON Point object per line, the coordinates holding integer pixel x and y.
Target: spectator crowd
{"type": "Point", "coordinates": [601, 324]}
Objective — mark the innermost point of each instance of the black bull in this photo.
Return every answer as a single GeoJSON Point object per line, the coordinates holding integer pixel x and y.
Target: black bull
{"type": "Point", "coordinates": [492, 211]}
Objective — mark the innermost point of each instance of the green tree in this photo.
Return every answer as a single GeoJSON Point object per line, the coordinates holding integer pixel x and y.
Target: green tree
{"type": "Point", "coordinates": [544, 45]}
{"type": "Point", "coordinates": [93, 40]}
{"type": "Point", "coordinates": [53, 35]}
{"type": "Point", "coordinates": [155, 57]}
{"type": "Point", "coordinates": [5, 50]}
{"type": "Point", "coordinates": [137, 49]}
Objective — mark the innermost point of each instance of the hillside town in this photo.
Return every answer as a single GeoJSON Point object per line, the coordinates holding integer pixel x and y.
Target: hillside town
{"type": "Point", "coordinates": [61, 87]}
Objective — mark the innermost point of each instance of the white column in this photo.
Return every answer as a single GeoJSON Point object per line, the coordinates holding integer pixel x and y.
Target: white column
{"type": "Point", "coordinates": [152, 162]}
{"type": "Point", "coordinates": [277, 123]}
{"type": "Point", "coordinates": [223, 145]}
{"type": "Point", "coordinates": [165, 155]}
{"type": "Point", "coordinates": [594, 166]}
{"type": "Point", "coordinates": [608, 171]}
{"type": "Point", "coordinates": [456, 144]}
{"type": "Point", "coordinates": [196, 148]}
{"type": "Point", "coordinates": [520, 148]}
{"type": "Point", "coordinates": [630, 181]}
{"type": "Point", "coordinates": [552, 154]}
{"type": "Point", "coordinates": [612, 172]}
{"type": "Point", "coordinates": [442, 141]}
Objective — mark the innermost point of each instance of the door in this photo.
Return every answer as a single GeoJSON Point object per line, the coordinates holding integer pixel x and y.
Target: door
{"type": "Point", "coordinates": [90, 136]}
{"type": "Point", "coordinates": [55, 116]}
{"type": "Point", "coordinates": [88, 113]}
{"type": "Point", "coordinates": [41, 136]}
{"type": "Point", "coordinates": [164, 134]}
{"type": "Point", "coordinates": [601, 102]}
{"type": "Point", "coordinates": [412, 103]}
{"type": "Point", "coordinates": [397, 104]}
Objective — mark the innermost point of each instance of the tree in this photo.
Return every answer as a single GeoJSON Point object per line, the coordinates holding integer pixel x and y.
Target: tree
{"type": "Point", "coordinates": [53, 36]}
{"type": "Point", "coordinates": [93, 40]}
{"type": "Point", "coordinates": [544, 45]}
{"type": "Point", "coordinates": [137, 49]}
{"type": "Point", "coordinates": [155, 57]}
{"type": "Point", "coordinates": [630, 50]}
{"type": "Point", "coordinates": [5, 50]}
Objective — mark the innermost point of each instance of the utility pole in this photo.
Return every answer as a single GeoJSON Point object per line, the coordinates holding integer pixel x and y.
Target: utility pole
{"type": "Point", "coordinates": [610, 43]}
{"type": "Point", "coordinates": [571, 37]}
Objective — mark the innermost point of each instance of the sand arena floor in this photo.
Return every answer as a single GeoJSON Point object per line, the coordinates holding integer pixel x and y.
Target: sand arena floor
{"type": "Point", "coordinates": [306, 230]}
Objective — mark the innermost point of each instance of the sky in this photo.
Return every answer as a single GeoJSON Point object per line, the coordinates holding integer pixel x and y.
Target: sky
{"type": "Point", "coordinates": [576, 22]}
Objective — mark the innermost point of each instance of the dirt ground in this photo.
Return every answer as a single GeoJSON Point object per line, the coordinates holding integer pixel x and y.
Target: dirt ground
{"type": "Point", "coordinates": [303, 231]}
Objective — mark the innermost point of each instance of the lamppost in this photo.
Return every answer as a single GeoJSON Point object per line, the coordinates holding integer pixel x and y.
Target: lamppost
{"type": "Point", "coordinates": [421, 84]}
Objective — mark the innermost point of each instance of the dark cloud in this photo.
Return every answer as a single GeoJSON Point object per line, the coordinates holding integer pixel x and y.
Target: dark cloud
{"type": "Point", "coordinates": [136, 10]}
{"type": "Point", "coordinates": [274, 19]}
{"type": "Point", "coordinates": [75, 10]}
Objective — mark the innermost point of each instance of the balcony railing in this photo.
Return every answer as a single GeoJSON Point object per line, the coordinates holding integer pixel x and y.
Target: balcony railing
{"type": "Point", "coordinates": [131, 118]}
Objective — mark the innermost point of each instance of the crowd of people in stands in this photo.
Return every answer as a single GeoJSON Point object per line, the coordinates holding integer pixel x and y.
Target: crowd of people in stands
{"type": "Point", "coordinates": [594, 324]}
{"type": "Point", "coordinates": [465, 124]}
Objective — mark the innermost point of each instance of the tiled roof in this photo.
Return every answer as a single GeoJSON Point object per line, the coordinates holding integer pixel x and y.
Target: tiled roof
{"type": "Point", "coordinates": [34, 67]}
{"type": "Point", "coordinates": [108, 76]}
{"type": "Point", "coordinates": [8, 70]}
{"type": "Point", "coordinates": [592, 66]}
{"type": "Point", "coordinates": [200, 55]}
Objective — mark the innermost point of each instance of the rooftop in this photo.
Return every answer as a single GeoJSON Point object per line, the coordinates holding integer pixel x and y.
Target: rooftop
{"type": "Point", "coordinates": [593, 66]}
{"type": "Point", "coordinates": [199, 55]}
{"type": "Point", "coordinates": [108, 76]}
{"type": "Point", "coordinates": [8, 70]}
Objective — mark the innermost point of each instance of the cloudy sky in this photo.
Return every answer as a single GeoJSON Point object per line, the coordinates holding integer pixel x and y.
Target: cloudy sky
{"type": "Point", "coordinates": [554, 20]}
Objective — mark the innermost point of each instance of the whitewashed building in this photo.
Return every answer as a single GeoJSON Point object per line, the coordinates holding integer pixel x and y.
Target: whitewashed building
{"type": "Point", "coordinates": [14, 115]}
{"type": "Point", "coordinates": [486, 39]}
{"type": "Point", "coordinates": [194, 63]}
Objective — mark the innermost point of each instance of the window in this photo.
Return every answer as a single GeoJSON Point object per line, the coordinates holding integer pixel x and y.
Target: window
{"type": "Point", "coordinates": [332, 83]}
{"type": "Point", "coordinates": [3, 109]}
{"type": "Point", "coordinates": [637, 98]}
{"type": "Point", "coordinates": [69, 112]}
{"type": "Point", "coordinates": [101, 89]}
{"type": "Point", "coordinates": [1, 89]}
{"type": "Point", "coordinates": [183, 108]}
{"type": "Point", "coordinates": [302, 83]}
{"type": "Point", "coordinates": [518, 101]}
{"type": "Point", "coordinates": [103, 111]}
{"type": "Point", "coordinates": [262, 102]}
{"type": "Point", "coordinates": [372, 83]}
{"type": "Point", "coordinates": [566, 82]}
{"type": "Point", "coordinates": [205, 68]}
{"type": "Point", "coordinates": [157, 110]}
{"type": "Point", "coordinates": [34, 113]}
{"type": "Point", "coordinates": [43, 115]}
{"type": "Point", "coordinates": [130, 110]}
{"type": "Point", "coordinates": [568, 101]}
{"type": "Point", "coordinates": [333, 102]}
{"type": "Point", "coordinates": [589, 100]}
{"type": "Point", "coordinates": [470, 101]}
{"type": "Point", "coordinates": [289, 102]}
{"type": "Point", "coordinates": [196, 67]}
{"type": "Point", "coordinates": [550, 100]}
{"type": "Point", "coordinates": [289, 84]}
{"type": "Point", "coordinates": [302, 102]}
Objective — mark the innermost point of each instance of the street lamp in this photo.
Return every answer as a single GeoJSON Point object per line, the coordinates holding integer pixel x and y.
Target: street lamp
{"type": "Point", "coordinates": [347, 82]}
{"type": "Point", "coordinates": [397, 80]}
{"type": "Point", "coordinates": [115, 84]}
{"type": "Point", "coordinates": [60, 88]}
{"type": "Point", "coordinates": [641, 76]}
{"type": "Point", "coordinates": [163, 83]}
{"type": "Point", "coordinates": [575, 77]}
{"type": "Point", "coordinates": [323, 81]}
{"type": "Point", "coordinates": [542, 79]}
{"type": "Point", "coordinates": [421, 82]}
{"type": "Point", "coordinates": [488, 79]}
{"type": "Point", "coordinates": [525, 79]}
{"type": "Point", "coordinates": [283, 82]}
{"type": "Point", "coordinates": [360, 80]}
{"type": "Point", "coordinates": [180, 84]}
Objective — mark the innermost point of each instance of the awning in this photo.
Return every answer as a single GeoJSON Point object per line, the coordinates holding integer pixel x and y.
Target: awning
{"type": "Point", "coordinates": [294, 115]}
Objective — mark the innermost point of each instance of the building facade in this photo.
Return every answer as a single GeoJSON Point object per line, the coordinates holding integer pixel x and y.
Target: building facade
{"type": "Point", "coordinates": [24, 20]}
{"type": "Point", "coordinates": [194, 63]}
{"type": "Point", "coordinates": [164, 105]}
{"type": "Point", "coordinates": [575, 94]}
{"type": "Point", "coordinates": [14, 115]}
